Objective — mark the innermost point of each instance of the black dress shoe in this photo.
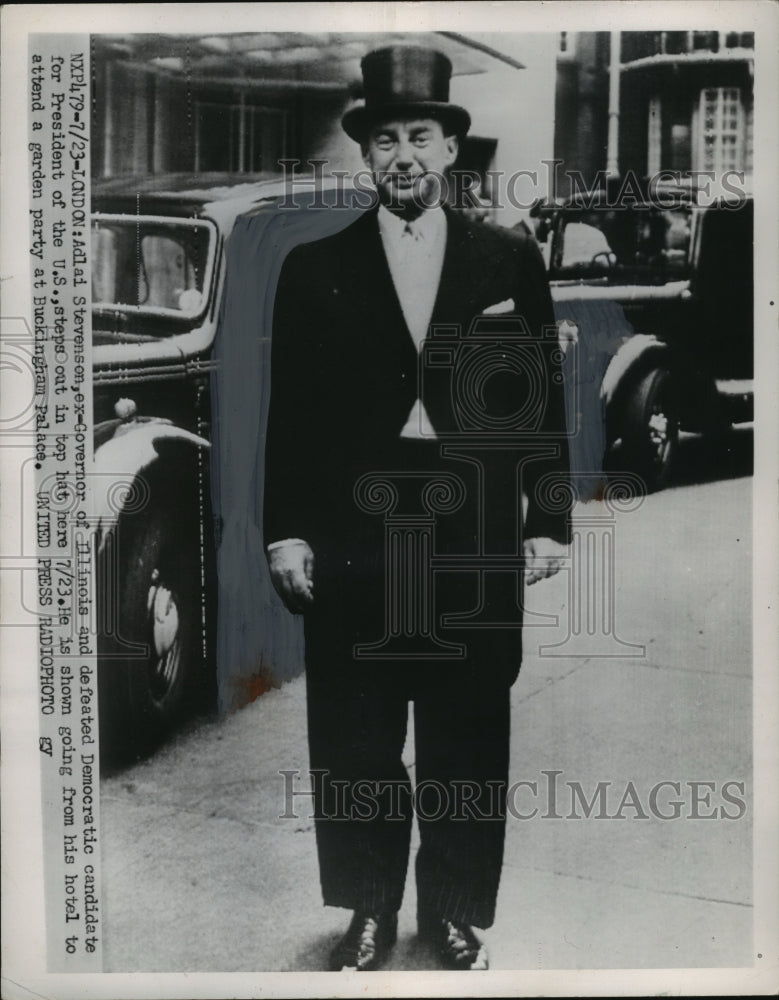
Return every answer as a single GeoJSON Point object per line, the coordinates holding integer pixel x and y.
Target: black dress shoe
{"type": "Point", "coordinates": [366, 944]}
{"type": "Point", "coordinates": [457, 944]}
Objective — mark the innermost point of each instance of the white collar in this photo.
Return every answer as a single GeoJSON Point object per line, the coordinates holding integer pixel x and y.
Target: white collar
{"type": "Point", "coordinates": [428, 226]}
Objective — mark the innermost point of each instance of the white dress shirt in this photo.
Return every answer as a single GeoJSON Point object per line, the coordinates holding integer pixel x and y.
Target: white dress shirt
{"type": "Point", "coordinates": [415, 255]}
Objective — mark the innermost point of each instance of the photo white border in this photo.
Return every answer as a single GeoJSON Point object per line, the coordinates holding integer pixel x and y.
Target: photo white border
{"type": "Point", "coordinates": [23, 945]}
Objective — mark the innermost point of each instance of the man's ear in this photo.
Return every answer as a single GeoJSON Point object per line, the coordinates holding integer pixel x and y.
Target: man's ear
{"type": "Point", "coordinates": [364, 153]}
{"type": "Point", "coordinates": [452, 149]}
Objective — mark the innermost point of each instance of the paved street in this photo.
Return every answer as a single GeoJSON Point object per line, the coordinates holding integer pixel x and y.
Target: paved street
{"type": "Point", "coordinates": [200, 873]}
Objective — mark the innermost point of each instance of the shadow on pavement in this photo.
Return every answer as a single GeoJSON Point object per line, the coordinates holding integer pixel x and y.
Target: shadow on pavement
{"type": "Point", "coordinates": [701, 458]}
{"type": "Point", "coordinates": [704, 460]}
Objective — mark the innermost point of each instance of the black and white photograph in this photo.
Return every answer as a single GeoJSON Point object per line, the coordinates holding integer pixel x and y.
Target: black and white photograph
{"type": "Point", "coordinates": [389, 477]}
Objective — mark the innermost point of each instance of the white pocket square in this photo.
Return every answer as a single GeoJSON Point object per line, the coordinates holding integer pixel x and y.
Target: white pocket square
{"type": "Point", "coordinates": [506, 306]}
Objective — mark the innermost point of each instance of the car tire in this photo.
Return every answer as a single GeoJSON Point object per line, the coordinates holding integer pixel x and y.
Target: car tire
{"type": "Point", "coordinates": [650, 432]}
{"type": "Point", "coordinates": [146, 693]}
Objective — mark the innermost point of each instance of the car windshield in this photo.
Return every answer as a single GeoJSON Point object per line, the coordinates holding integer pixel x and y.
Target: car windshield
{"type": "Point", "coordinates": [635, 244]}
{"type": "Point", "coordinates": [152, 265]}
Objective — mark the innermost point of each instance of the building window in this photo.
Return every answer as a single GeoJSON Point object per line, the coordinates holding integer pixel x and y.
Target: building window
{"type": "Point", "coordinates": [644, 44]}
{"type": "Point", "coordinates": [566, 45]}
{"type": "Point", "coordinates": [750, 140]}
{"type": "Point", "coordinates": [655, 137]}
{"type": "Point", "coordinates": [739, 40]}
{"type": "Point", "coordinates": [706, 41]}
{"type": "Point", "coordinates": [239, 138]}
{"type": "Point", "coordinates": [722, 139]}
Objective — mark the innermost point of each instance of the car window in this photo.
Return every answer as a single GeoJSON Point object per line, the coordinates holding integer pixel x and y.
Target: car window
{"type": "Point", "coordinates": [168, 277]}
{"type": "Point", "coordinates": [642, 245]}
{"type": "Point", "coordinates": [584, 243]}
{"type": "Point", "coordinates": [151, 265]}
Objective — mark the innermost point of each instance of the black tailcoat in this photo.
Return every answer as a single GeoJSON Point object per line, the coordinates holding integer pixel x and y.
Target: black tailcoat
{"type": "Point", "coordinates": [345, 375]}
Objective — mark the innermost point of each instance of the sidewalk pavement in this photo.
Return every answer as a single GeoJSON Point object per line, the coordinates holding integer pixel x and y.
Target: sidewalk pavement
{"type": "Point", "coordinates": [201, 874]}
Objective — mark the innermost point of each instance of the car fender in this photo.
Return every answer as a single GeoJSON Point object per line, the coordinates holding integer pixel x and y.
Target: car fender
{"type": "Point", "coordinates": [635, 357]}
{"type": "Point", "coordinates": [632, 356]}
{"type": "Point", "coordinates": [121, 461]}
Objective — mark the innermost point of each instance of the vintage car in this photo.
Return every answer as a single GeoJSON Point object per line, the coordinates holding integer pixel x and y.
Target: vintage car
{"type": "Point", "coordinates": [158, 269]}
{"type": "Point", "coordinates": [661, 290]}
{"type": "Point", "coordinates": [661, 297]}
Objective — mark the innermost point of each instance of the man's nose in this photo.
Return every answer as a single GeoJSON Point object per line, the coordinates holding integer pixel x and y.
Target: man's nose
{"type": "Point", "coordinates": [404, 156]}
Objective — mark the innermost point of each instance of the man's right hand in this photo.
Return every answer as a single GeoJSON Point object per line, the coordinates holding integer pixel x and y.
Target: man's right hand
{"type": "Point", "coordinates": [292, 571]}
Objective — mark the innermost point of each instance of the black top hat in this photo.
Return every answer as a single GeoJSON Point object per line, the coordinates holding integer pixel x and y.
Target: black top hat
{"type": "Point", "coordinates": [401, 80]}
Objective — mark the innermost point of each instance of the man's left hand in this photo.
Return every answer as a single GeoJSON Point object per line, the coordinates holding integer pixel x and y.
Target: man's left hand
{"type": "Point", "coordinates": [543, 558]}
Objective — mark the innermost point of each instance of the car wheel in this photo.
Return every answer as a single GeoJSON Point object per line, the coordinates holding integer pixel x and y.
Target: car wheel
{"type": "Point", "coordinates": [650, 435]}
{"type": "Point", "coordinates": [146, 692]}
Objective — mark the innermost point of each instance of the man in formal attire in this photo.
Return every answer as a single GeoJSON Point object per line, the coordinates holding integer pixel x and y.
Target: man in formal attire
{"type": "Point", "coordinates": [377, 465]}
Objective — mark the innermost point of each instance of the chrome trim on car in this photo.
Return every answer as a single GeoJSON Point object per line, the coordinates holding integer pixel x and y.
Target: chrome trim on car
{"type": "Point", "coordinates": [566, 291]}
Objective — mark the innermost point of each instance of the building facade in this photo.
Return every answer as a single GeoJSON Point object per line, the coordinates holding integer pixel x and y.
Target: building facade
{"type": "Point", "coordinates": [240, 103]}
{"type": "Point", "coordinates": [669, 100]}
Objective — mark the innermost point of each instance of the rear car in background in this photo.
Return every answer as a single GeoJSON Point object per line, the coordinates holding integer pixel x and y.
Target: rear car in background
{"type": "Point", "coordinates": [662, 291]}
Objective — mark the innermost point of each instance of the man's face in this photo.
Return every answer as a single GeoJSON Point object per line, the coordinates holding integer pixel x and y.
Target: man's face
{"type": "Point", "coordinates": [408, 158]}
